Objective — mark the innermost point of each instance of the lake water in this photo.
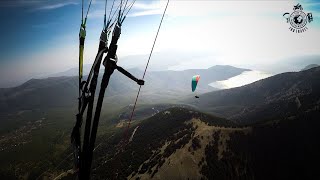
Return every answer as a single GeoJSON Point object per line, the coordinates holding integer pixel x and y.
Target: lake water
{"type": "Point", "coordinates": [244, 78]}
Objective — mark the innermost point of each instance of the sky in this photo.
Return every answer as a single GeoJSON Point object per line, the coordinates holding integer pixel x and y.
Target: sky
{"type": "Point", "coordinates": [40, 37]}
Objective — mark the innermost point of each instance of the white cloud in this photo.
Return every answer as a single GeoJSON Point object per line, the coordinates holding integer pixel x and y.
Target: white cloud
{"type": "Point", "coordinates": [238, 33]}
{"type": "Point", "coordinates": [56, 6]}
{"type": "Point", "coordinates": [144, 9]}
{"type": "Point", "coordinates": [147, 6]}
{"type": "Point", "coordinates": [146, 12]}
{"type": "Point", "coordinates": [204, 7]}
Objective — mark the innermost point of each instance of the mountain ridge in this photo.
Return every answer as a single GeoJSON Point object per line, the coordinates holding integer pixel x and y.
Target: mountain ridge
{"type": "Point", "coordinates": [63, 91]}
{"type": "Point", "coordinates": [284, 87]}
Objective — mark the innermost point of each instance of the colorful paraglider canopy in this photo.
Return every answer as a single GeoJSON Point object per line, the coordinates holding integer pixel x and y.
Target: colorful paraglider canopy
{"type": "Point", "coordinates": [194, 82]}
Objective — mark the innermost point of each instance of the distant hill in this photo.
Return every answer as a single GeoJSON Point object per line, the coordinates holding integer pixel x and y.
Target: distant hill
{"type": "Point", "coordinates": [271, 132]}
{"type": "Point", "coordinates": [160, 87]}
{"type": "Point", "coordinates": [263, 99]}
{"type": "Point", "coordinates": [276, 133]}
{"type": "Point", "coordinates": [178, 143]}
{"type": "Point", "coordinates": [39, 93]}
{"type": "Point", "coordinates": [74, 71]}
{"type": "Point", "coordinates": [310, 66]}
{"type": "Point", "coordinates": [152, 144]}
{"type": "Point", "coordinates": [292, 64]}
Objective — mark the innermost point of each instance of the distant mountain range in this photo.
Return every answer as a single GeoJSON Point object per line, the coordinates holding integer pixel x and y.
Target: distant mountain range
{"type": "Point", "coordinates": [261, 100]}
{"type": "Point", "coordinates": [310, 66]}
{"type": "Point", "coordinates": [269, 130]}
{"type": "Point", "coordinates": [160, 86]}
{"type": "Point", "coordinates": [276, 135]}
{"type": "Point", "coordinates": [292, 64]}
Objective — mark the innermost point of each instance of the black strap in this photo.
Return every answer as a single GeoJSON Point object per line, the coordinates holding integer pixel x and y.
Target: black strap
{"type": "Point", "coordinates": [126, 73]}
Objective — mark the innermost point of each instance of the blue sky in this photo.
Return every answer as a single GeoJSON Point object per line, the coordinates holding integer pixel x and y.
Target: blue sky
{"type": "Point", "coordinates": [40, 37]}
{"type": "Point", "coordinates": [31, 26]}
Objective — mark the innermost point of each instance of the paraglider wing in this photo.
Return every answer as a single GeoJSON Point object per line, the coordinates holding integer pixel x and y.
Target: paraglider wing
{"type": "Point", "coordinates": [194, 82]}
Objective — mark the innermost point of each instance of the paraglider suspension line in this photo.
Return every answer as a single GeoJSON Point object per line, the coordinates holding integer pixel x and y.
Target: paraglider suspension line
{"type": "Point", "coordinates": [145, 70]}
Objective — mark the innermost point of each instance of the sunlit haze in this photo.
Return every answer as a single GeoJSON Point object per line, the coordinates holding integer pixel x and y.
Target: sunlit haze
{"type": "Point", "coordinates": [194, 34]}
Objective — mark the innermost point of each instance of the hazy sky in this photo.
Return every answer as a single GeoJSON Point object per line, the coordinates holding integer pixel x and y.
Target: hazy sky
{"type": "Point", "coordinates": [40, 37]}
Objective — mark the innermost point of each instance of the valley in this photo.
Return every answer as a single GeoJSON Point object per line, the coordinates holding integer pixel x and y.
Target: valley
{"type": "Point", "coordinates": [239, 133]}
